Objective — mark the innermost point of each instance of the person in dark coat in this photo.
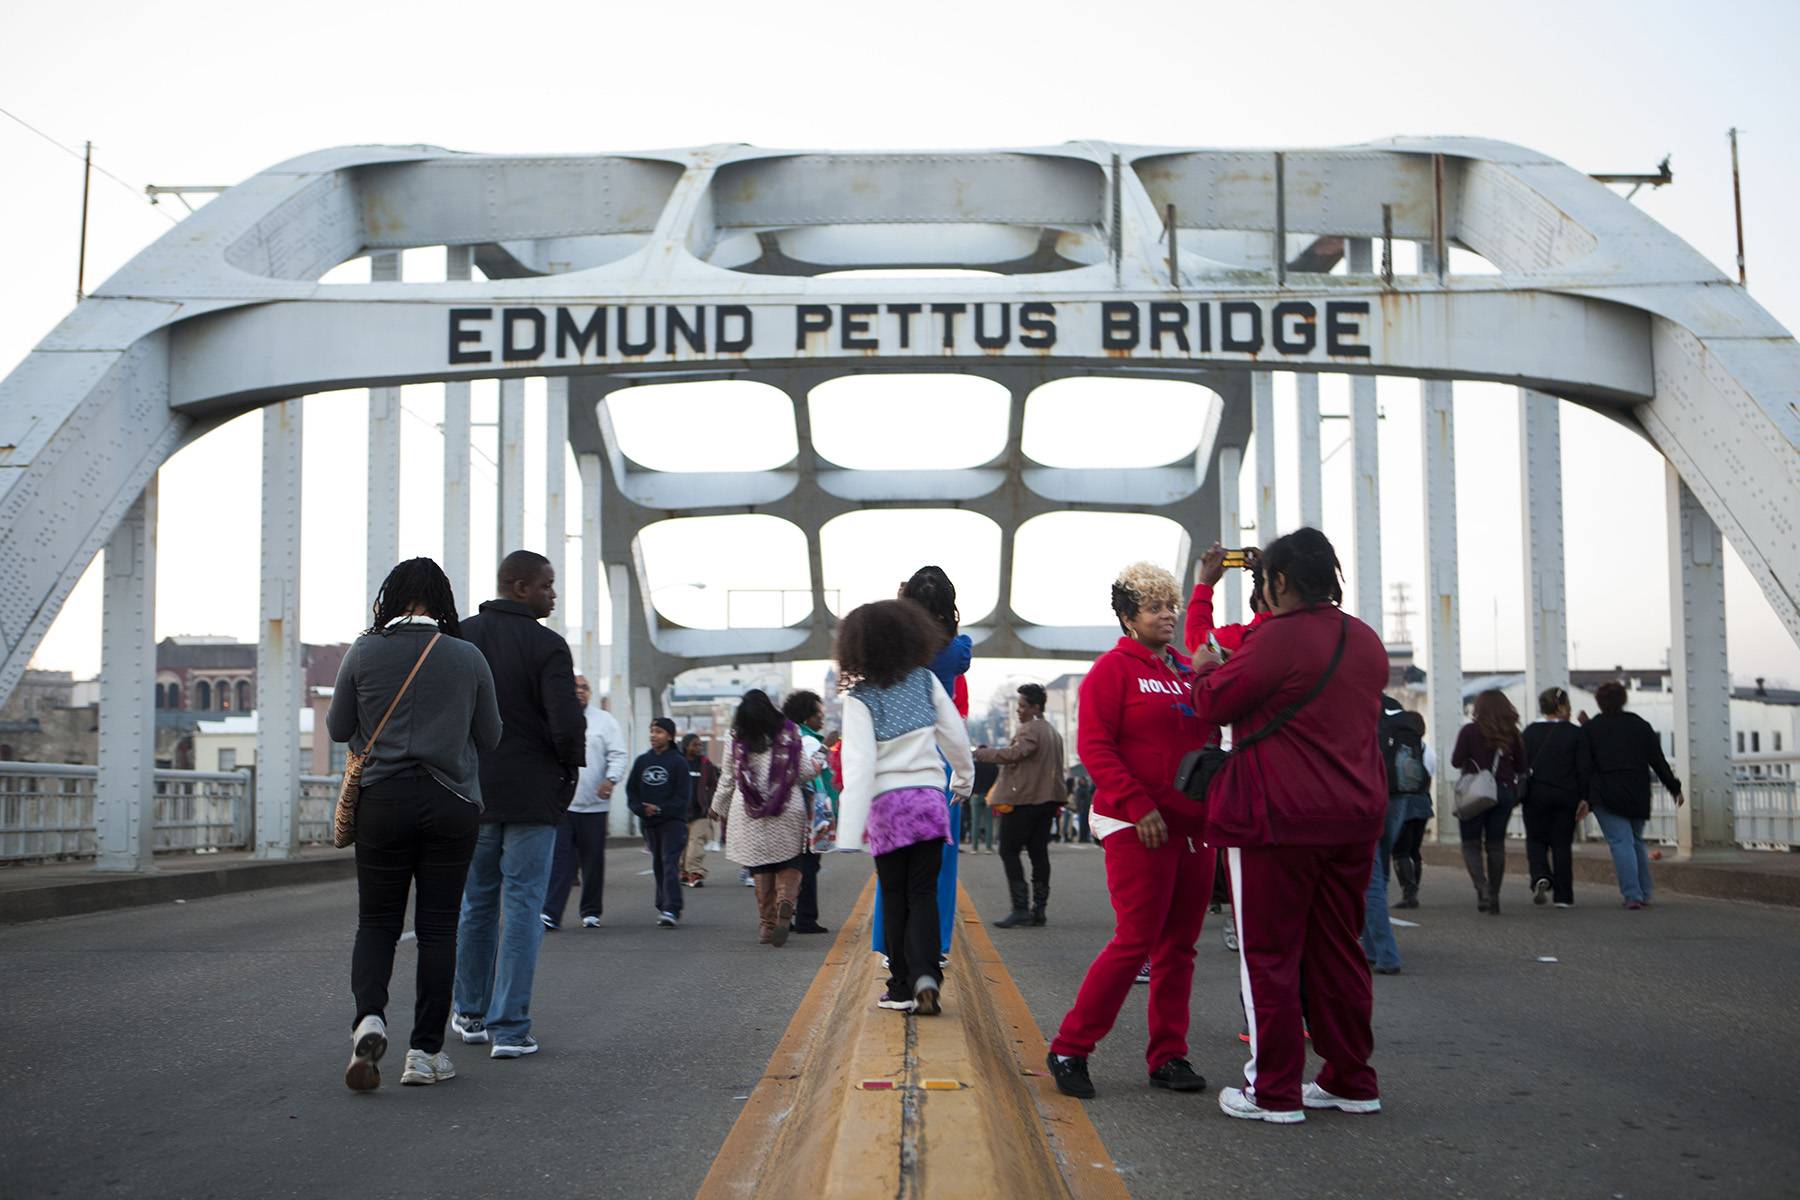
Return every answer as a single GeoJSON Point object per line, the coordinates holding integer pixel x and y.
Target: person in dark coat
{"type": "Point", "coordinates": [1622, 751]}
{"type": "Point", "coordinates": [660, 793]}
{"type": "Point", "coordinates": [1556, 772]}
{"type": "Point", "coordinates": [527, 782]}
{"type": "Point", "coordinates": [1490, 742]}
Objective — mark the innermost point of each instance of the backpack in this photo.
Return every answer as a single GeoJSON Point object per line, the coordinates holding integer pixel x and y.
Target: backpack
{"type": "Point", "coordinates": [1403, 754]}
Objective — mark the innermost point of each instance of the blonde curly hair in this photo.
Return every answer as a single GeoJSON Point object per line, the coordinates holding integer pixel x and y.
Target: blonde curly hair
{"type": "Point", "coordinates": [1139, 584]}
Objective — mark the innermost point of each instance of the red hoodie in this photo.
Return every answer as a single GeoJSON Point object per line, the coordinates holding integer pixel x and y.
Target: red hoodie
{"type": "Point", "coordinates": [1135, 726]}
{"type": "Point", "coordinates": [1200, 621]}
{"type": "Point", "coordinates": [1320, 778]}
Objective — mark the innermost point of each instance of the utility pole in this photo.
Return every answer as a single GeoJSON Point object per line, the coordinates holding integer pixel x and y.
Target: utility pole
{"type": "Point", "coordinates": [1737, 203]}
{"type": "Point", "coordinates": [87, 179]}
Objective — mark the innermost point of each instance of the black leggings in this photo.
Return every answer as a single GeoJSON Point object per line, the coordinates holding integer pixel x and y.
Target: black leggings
{"type": "Point", "coordinates": [1407, 844]}
{"type": "Point", "coordinates": [410, 827]}
{"type": "Point", "coordinates": [909, 912]}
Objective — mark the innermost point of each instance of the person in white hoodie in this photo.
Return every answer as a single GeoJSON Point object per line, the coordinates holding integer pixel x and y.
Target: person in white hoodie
{"type": "Point", "coordinates": [897, 721]}
{"type": "Point", "coordinates": [581, 841]}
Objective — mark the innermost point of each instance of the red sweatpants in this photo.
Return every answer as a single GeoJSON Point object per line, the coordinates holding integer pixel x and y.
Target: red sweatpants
{"type": "Point", "coordinates": [1159, 900]}
{"type": "Point", "coordinates": [1301, 908]}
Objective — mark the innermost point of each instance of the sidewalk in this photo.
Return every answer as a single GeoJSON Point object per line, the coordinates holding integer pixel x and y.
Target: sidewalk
{"type": "Point", "coordinates": [1762, 876]}
{"type": "Point", "coordinates": [34, 892]}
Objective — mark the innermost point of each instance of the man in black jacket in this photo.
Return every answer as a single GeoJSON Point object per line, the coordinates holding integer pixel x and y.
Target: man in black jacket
{"type": "Point", "coordinates": [527, 782]}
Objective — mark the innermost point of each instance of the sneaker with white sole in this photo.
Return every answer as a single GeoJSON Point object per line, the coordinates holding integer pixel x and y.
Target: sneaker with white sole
{"type": "Point", "coordinates": [470, 1028]}
{"type": "Point", "coordinates": [550, 923]}
{"type": "Point", "coordinates": [1540, 892]}
{"type": "Point", "coordinates": [1314, 1096]}
{"type": "Point", "coordinates": [423, 1068]}
{"type": "Point", "coordinates": [591, 922]}
{"type": "Point", "coordinates": [894, 1001]}
{"type": "Point", "coordinates": [1143, 975]}
{"type": "Point", "coordinates": [1231, 936]}
{"type": "Point", "coordinates": [1236, 1102]}
{"type": "Point", "coordinates": [514, 1049]}
{"type": "Point", "coordinates": [367, 1044]}
{"type": "Point", "coordinates": [666, 920]}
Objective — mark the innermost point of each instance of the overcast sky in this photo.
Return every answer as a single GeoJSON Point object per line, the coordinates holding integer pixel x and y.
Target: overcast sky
{"type": "Point", "coordinates": [210, 93]}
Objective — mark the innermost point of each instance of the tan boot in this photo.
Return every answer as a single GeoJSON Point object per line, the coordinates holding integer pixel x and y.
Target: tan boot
{"type": "Point", "coordinates": [787, 887]}
{"type": "Point", "coordinates": [765, 904]}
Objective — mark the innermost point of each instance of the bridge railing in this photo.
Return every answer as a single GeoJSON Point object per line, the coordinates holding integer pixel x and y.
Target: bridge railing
{"type": "Point", "coordinates": [47, 810]}
{"type": "Point", "coordinates": [1765, 807]}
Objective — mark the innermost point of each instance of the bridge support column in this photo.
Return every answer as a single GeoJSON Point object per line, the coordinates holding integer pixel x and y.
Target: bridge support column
{"type": "Point", "coordinates": [457, 267]}
{"type": "Point", "coordinates": [620, 687]}
{"type": "Point", "coordinates": [1540, 461]}
{"type": "Point", "coordinates": [125, 795]}
{"type": "Point", "coordinates": [510, 532]}
{"type": "Point", "coordinates": [1231, 530]}
{"type": "Point", "coordinates": [1365, 470]}
{"type": "Point", "coordinates": [1702, 678]}
{"type": "Point", "coordinates": [1262, 424]}
{"type": "Point", "coordinates": [1312, 467]}
{"type": "Point", "coordinates": [383, 547]}
{"type": "Point", "coordinates": [278, 638]}
{"type": "Point", "coordinates": [1443, 621]}
{"type": "Point", "coordinates": [556, 495]}
{"type": "Point", "coordinates": [591, 578]}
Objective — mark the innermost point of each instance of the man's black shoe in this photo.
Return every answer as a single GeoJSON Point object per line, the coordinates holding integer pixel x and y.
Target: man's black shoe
{"type": "Point", "coordinates": [1178, 1076]}
{"type": "Point", "coordinates": [1013, 920]}
{"type": "Point", "coordinates": [1038, 918]}
{"type": "Point", "coordinates": [815, 927]}
{"type": "Point", "coordinates": [1071, 1076]}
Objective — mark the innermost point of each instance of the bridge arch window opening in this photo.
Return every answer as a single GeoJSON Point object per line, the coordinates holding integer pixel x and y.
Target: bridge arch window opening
{"type": "Point", "coordinates": [1111, 422]}
{"type": "Point", "coordinates": [746, 426]}
{"type": "Point", "coordinates": [866, 556]}
{"type": "Point", "coordinates": [1064, 562]}
{"type": "Point", "coordinates": [742, 571]}
{"type": "Point", "coordinates": [909, 422]}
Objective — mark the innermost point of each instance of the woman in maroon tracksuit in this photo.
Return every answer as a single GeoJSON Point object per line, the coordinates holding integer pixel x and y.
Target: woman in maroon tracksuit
{"type": "Point", "coordinates": [1136, 725]}
{"type": "Point", "coordinates": [1300, 811]}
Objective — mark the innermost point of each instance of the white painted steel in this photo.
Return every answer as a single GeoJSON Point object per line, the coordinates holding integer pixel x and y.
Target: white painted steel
{"type": "Point", "coordinates": [1231, 529]}
{"type": "Point", "coordinates": [1365, 470]}
{"type": "Point", "coordinates": [1443, 620]}
{"type": "Point", "coordinates": [556, 496]}
{"type": "Point", "coordinates": [511, 459]}
{"type": "Point", "coordinates": [1262, 423]}
{"type": "Point", "coordinates": [383, 541]}
{"type": "Point", "coordinates": [1546, 616]}
{"type": "Point", "coordinates": [1700, 674]}
{"type": "Point", "coordinates": [278, 673]}
{"type": "Point", "coordinates": [457, 451]}
{"type": "Point", "coordinates": [593, 577]}
{"type": "Point", "coordinates": [124, 829]}
{"type": "Point", "coordinates": [619, 687]}
{"type": "Point", "coordinates": [1312, 467]}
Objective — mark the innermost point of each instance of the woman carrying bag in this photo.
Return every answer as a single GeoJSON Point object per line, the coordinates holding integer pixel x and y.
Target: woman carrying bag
{"type": "Point", "coordinates": [762, 798]}
{"type": "Point", "coordinates": [431, 696]}
{"type": "Point", "coordinates": [1491, 757]}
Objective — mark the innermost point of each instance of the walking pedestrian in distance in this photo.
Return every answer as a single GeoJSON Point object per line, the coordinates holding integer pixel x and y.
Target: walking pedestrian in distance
{"type": "Point", "coordinates": [581, 838]}
{"type": "Point", "coordinates": [1556, 763]}
{"type": "Point", "coordinates": [420, 801]}
{"type": "Point", "coordinates": [703, 781]}
{"type": "Point", "coordinates": [527, 782]}
{"type": "Point", "coordinates": [900, 728]}
{"type": "Point", "coordinates": [1623, 750]}
{"type": "Point", "coordinates": [1490, 742]}
{"type": "Point", "coordinates": [807, 711]}
{"type": "Point", "coordinates": [1031, 789]}
{"type": "Point", "coordinates": [1136, 726]}
{"type": "Point", "coordinates": [1411, 764]}
{"type": "Point", "coordinates": [762, 796]}
{"type": "Point", "coordinates": [1300, 806]}
{"type": "Point", "coordinates": [1403, 770]}
{"type": "Point", "coordinates": [981, 818]}
{"type": "Point", "coordinates": [659, 793]}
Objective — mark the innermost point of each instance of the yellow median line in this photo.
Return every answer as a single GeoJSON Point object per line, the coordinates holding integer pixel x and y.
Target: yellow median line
{"type": "Point", "coordinates": [858, 1101]}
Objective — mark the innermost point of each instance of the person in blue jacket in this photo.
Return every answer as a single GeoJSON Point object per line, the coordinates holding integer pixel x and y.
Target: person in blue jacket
{"type": "Point", "coordinates": [658, 791]}
{"type": "Point", "coordinates": [931, 589]}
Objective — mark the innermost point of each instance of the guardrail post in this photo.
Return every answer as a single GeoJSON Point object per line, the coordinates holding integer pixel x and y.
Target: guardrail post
{"type": "Point", "coordinates": [125, 791]}
{"type": "Point", "coordinates": [1701, 675]}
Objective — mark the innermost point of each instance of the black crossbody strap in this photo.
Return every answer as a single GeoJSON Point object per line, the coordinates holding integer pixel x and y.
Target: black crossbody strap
{"type": "Point", "coordinates": [1287, 714]}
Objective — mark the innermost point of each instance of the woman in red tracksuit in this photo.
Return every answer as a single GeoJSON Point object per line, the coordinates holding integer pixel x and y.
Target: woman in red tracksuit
{"type": "Point", "coordinates": [1199, 621]}
{"type": "Point", "coordinates": [1300, 811]}
{"type": "Point", "coordinates": [1136, 725]}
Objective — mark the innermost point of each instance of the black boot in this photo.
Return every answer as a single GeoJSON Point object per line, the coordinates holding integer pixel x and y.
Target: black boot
{"type": "Point", "coordinates": [1471, 852]}
{"type": "Point", "coordinates": [1013, 919]}
{"type": "Point", "coordinates": [1408, 881]}
{"type": "Point", "coordinates": [1496, 870]}
{"type": "Point", "coordinates": [1040, 900]}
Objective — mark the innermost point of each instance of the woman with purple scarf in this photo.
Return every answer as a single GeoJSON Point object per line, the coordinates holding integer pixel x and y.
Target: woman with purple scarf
{"type": "Point", "coordinates": [766, 818]}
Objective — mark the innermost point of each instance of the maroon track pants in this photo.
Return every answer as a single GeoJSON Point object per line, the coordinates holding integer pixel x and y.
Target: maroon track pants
{"type": "Point", "coordinates": [1159, 900]}
{"type": "Point", "coordinates": [1301, 908]}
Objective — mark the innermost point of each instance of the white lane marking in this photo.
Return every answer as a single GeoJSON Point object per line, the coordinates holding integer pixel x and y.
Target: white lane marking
{"type": "Point", "coordinates": [1403, 924]}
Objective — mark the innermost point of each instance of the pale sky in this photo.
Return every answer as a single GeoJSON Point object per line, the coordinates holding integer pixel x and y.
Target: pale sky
{"type": "Point", "coordinates": [210, 93]}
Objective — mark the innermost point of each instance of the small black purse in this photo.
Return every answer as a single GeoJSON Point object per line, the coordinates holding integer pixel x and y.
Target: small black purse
{"type": "Point", "coordinates": [1198, 767]}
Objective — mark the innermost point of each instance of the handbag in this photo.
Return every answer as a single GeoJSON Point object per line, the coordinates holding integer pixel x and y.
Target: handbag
{"type": "Point", "coordinates": [1477, 791]}
{"type": "Point", "coordinates": [343, 820]}
{"type": "Point", "coordinates": [1198, 767]}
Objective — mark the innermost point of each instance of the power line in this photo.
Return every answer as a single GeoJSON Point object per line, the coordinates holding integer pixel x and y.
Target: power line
{"type": "Point", "coordinates": [76, 154]}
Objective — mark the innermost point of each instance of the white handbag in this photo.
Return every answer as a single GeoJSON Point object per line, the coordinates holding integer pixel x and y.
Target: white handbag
{"type": "Point", "coordinates": [1477, 792]}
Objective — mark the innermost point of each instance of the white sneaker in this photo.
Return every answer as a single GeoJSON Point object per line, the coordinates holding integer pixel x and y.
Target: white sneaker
{"type": "Point", "coordinates": [367, 1045]}
{"type": "Point", "coordinates": [591, 922]}
{"type": "Point", "coordinates": [514, 1049]}
{"type": "Point", "coordinates": [666, 920]}
{"type": "Point", "coordinates": [1143, 975]}
{"type": "Point", "coordinates": [423, 1068]}
{"type": "Point", "coordinates": [1233, 1102]}
{"type": "Point", "coordinates": [1314, 1096]}
{"type": "Point", "coordinates": [469, 1028]}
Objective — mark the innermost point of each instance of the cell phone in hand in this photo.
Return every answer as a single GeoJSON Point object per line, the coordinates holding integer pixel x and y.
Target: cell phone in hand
{"type": "Point", "coordinates": [1237, 558]}
{"type": "Point", "coordinates": [1212, 643]}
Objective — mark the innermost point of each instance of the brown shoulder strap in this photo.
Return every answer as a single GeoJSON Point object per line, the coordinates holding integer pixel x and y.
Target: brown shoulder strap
{"type": "Point", "coordinates": [370, 745]}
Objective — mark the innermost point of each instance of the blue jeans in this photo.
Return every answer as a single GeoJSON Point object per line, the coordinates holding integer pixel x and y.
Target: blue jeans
{"type": "Point", "coordinates": [1378, 932]}
{"type": "Point", "coordinates": [501, 928]}
{"type": "Point", "coordinates": [1631, 858]}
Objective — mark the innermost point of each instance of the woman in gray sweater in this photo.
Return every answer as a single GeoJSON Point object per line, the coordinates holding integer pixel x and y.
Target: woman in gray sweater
{"type": "Point", "coordinates": [421, 794]}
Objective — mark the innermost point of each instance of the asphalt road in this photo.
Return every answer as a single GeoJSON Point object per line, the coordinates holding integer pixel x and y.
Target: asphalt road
{"type": "Point", "coordinates": [197, 1050]}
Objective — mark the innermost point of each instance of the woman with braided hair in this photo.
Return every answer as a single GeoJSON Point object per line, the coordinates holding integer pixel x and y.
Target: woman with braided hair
{"type": "Point", "coordinates": [761, 798]}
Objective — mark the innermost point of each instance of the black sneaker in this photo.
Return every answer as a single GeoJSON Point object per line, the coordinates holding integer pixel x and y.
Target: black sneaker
{"type": "Point", "coordinates": [1178, 1076]}
{"type": "Point", "coordinates": [1071, 1076]}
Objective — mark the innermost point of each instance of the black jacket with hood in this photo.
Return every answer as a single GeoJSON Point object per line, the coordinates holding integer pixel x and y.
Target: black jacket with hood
{"type": "Point", "coordinates": [529, 778]}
